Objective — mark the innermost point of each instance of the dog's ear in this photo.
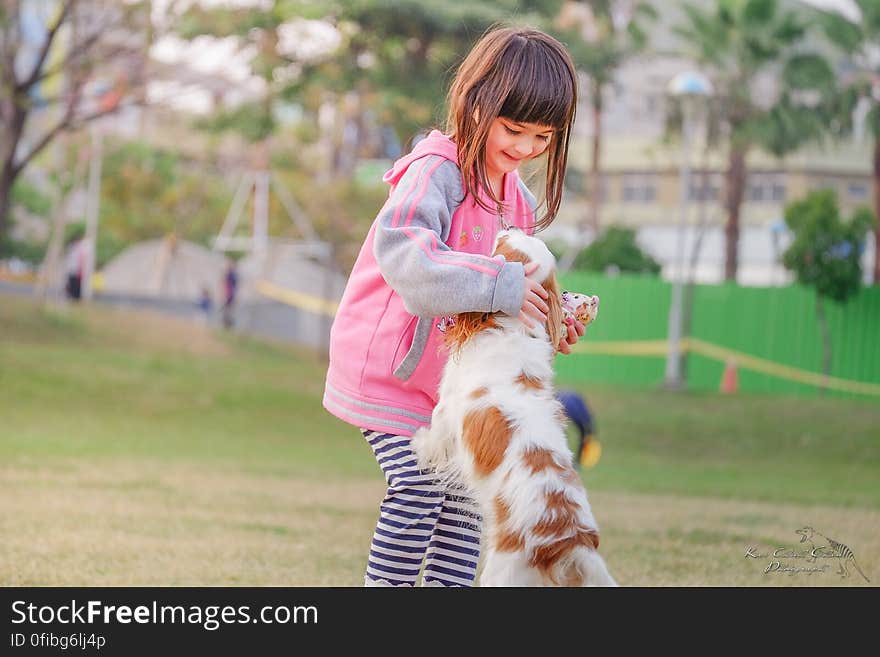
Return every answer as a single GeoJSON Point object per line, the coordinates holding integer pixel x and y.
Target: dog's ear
{"type": "Point", "coordinates": [466, 326]}
{"type": "Point", "coordinates": [555, 326]}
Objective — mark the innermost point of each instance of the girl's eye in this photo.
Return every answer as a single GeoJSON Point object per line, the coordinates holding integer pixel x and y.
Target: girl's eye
{"type": "Point", "coordinates": [511, 131]}
{"type": "Point", "coordinates": [544, 138]}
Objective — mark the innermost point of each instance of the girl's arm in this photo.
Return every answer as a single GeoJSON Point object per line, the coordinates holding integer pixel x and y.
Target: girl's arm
{"type": "Point", "coordinates": [409, 245]}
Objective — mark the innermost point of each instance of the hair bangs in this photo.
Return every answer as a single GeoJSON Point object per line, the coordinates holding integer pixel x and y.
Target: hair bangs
{"type": "Point", "coordinates": [541, 92]}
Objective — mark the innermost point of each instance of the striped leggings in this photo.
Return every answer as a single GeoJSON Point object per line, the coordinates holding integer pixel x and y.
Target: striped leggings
{"type": "Point", "coordinates": [420, 521]}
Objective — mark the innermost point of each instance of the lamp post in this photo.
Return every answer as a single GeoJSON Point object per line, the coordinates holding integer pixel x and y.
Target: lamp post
{"type": "Point", "coordinates": [689, 86]}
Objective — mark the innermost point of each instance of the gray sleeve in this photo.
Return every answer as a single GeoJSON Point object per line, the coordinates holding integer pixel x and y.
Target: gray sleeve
{"type": "Point", "coordinates": [432, 279]}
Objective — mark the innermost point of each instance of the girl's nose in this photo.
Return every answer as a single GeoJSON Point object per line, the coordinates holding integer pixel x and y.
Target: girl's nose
{"type": "Point", "coordinates": [524, 147]}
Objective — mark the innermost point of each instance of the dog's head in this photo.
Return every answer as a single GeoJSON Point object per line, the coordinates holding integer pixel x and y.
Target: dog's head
{"type": "Point", "coordinates": [516, 246]}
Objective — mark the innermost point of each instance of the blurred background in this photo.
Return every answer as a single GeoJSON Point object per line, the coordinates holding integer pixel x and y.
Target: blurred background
{"type": "Point", "coordinates": [184, 187]}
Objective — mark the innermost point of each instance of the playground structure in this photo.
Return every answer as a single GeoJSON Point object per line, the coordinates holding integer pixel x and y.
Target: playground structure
{"type": "Point", "coordinates": [288, 288]}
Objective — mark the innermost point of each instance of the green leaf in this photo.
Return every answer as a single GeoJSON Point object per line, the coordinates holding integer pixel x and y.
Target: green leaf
{"type": "Point", "coordinates": [825, 252]}
{"type": "Point", "coordinates": [844, 34]}
{"type": "Point", "coordinates": [759, 12]}
{"type": "Point", "coordinates": [808, 71]}
{"type": "Point", "coordinates": [30, 198]}
{"type": "Point", "coordinates": [616, 247]}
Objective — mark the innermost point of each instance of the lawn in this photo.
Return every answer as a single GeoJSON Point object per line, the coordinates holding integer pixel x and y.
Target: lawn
{"type": "Point", "coordinates": [141, 450]}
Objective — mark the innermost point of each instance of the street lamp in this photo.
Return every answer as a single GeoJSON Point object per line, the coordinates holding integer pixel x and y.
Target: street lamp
{"type": "Point", "coordinates": [690, 87]}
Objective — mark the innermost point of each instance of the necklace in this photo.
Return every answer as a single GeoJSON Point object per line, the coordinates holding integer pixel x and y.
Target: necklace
{"type": "Point", "coordinates": [504, 224]}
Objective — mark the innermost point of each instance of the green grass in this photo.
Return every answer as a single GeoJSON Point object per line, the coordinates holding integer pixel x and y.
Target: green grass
{"type": "Point", "coordinates": [136, 449]}
{"type": "Point", "coordinates": [73, 389]}
{"type": "Point", "coordinates": [818, 451]}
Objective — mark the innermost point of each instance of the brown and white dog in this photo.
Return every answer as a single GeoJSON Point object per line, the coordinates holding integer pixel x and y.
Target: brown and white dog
{"type": "Point", "coordinates": [499, 431]}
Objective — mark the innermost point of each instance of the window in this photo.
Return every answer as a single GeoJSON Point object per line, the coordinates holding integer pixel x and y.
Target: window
{"type": "Point", "coordinates": [857, 191]}
{"type": "Point", "coordinates": [766, 188]}
{"type": "Point", "coordinates": [712, 191]}
{"type": "Point", "coordinates": [639, 188]}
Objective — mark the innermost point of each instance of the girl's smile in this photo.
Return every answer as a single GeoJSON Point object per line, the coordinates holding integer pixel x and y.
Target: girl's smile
{"type": "Point", "coordinates": [510, 143]}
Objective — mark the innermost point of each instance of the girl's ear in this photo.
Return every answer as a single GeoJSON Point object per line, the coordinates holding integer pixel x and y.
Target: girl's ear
{"type": "Point", "coordinates": [555, 326]}
{"type": "Point", "coordinates": [476, 115]}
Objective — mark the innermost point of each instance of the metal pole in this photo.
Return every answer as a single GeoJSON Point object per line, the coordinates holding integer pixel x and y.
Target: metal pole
{"type": "Point", "coordinates": [94, 206]}
{"type": "Point", "coordinates": [673, 378]}
{"type": "Point", "coordinates": [261, 216]}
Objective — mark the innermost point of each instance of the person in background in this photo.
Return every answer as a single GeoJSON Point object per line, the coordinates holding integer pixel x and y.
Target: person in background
{"type": "Point", "coordinates": [230, 286]}
{"type": "Point", "coordinates": [205, 303]}
{"type": "Point", "coordinates": [75, 266]}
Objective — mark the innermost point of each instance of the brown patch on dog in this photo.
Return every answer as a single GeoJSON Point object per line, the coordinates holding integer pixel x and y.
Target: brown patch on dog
{"type": "Point", "coordinates": [561, 521]}
{"type": "Point", "coordinates": [554, 525]}
{"type": "Point", "coordinates": [479, 392]}
{"type": "Point", "coordinates": [540, 459]}
{"type": "Point", "coordinates": [556, 329]}
{"type": "Point", "coordinates": [560, 517]}
{"type": "Point", "coordinates": [558, 502]}
{"type": "Point", "coordinates": [505, 540]}
{"type": "Point", "coordinates": [466, 326]}
{"type": "Point", "coordinates": [572, 478]}
{"type": "Point", "coordinates": [530, 382]}
{"type": "Point", "coordinates": [502, 511]}
{"type": "Point", "coordinates": [510, 254]}
{"type": "Point", "coordinates": [546, 556]}
{"type": "Point", "coordinates": [486, 434]}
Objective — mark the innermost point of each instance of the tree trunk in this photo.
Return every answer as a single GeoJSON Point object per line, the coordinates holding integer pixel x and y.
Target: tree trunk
{"type": "Point", "coordinates": [735, 190]}
{"type": "Point", "coordinates": [826, 339]}
{"type": "Point", "coordinates": [6, 182]}
{"type": "Point", "coordinates": [593, 185]}
{"type": "Point", "coordinates": [8, 173]}
{"type": "Point", "coordinates": [595, 176]}
{"type": "Point", "coordinates": [877, 210]}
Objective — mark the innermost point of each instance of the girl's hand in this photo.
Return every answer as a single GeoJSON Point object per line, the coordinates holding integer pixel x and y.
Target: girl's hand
{"type": "Point", "coordinates": [534, 308]}
{"type": "Point", "coordinates": [575, 331]}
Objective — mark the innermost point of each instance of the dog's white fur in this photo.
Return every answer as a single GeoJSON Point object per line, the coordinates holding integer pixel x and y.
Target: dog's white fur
{"type": "Point", "coordinates": [529, 541]}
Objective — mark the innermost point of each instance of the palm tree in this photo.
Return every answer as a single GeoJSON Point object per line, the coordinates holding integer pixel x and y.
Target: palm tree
{"type": "Point", "coordinates": [601, 35]}
{"type": "Point", "coordinates": [859, 41]}
{"type": "Point", "coordinates": [736, 41]}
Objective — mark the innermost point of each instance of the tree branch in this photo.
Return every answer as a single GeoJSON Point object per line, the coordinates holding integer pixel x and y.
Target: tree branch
{"type": "Point", "coordinates": [10, 47]}
{"type": "Point", "coordinates": [44, 51]}
{"type": "Point", "coordinates": [109, 54]}
{"type": "Point", "coordinates": [69, 122]}
{"type": "Point", "coordinates": [63, 122]}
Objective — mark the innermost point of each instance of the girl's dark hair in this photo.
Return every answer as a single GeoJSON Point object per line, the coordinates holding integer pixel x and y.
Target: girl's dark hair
{"type": "Point", "coordinates": [520, 74]}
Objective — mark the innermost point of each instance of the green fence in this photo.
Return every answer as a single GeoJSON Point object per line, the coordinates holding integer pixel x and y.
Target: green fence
{"type": "Point", "coordinates": [772, 333]}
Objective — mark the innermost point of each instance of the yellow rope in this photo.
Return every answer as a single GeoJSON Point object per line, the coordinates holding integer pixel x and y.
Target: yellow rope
{"type": "Point", "coordinates": [723, 354]}
{"type": "Point", "coordinates": [297, 299]}
{"type": "Point", "coordinates": [656, 348]}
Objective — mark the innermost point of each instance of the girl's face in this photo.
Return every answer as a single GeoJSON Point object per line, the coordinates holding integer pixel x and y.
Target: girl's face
{"type": "Point", "coordinates": [511, 143]}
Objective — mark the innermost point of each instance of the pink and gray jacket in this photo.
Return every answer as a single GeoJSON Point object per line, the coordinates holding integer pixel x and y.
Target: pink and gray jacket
{"type": "Point", "coordinates": [425, 258]}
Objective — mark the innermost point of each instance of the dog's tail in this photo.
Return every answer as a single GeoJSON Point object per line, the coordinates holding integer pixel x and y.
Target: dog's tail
{"type": "Point", "coordinates": [589, 566]}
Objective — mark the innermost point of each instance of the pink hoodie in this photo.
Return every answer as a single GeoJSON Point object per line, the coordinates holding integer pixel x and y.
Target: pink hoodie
{"type": "Point", "coordinates": [426, 257]}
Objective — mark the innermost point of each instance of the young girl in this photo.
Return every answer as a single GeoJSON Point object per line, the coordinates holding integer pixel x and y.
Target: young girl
{"type": "Point", "coordinates": [426, 257]}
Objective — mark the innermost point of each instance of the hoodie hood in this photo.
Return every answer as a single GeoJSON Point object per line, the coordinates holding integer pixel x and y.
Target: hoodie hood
{"type": "Point", "coordinates": [436, 143]}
